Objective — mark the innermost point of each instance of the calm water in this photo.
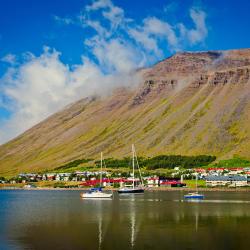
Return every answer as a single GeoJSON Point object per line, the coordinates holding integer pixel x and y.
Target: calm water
{"type": "Point", "coordinates": [155, 220]}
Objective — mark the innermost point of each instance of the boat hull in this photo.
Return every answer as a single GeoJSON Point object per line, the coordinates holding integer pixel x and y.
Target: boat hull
{"type": "Point", "coordinates": [196, 197]}
{"type": "Point", "coordinates": [131, 191]}
{"type": "Point", "coordinates": [96, 195]}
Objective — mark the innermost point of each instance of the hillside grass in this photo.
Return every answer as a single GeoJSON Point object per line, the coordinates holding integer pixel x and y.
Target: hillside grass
{"type": "Point", "coordinates": [230, 163]}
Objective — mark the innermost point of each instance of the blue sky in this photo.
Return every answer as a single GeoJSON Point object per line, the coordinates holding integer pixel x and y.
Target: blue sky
{"type": "Point", "coordinates": [28, 25]}
{"type": "Point", "coordinates": [73, 44]}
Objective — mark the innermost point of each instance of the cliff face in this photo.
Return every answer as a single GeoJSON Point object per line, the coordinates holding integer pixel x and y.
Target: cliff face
{"type": "Point", "coordinates": [190, 103]}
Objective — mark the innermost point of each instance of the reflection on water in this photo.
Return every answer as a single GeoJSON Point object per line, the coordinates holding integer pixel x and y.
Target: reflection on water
{"type": "Point", "coordinates": [134, 219]}
{"type": "Point", "coordinates": [133, 223]}
{"type": "Point", "coordinates": [155, 220]}
{"type": "Point", "coordinates": [213, 201]}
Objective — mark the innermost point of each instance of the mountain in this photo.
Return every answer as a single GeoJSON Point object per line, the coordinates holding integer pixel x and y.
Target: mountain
{"type": "Point", "coordinates": [189, 104]}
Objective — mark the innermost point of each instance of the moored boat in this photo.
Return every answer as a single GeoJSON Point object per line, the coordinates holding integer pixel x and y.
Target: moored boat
{"type": "Point", "coordinates": [133, 189]}
{"type": "Point", "coordinates": [195, 195]}
{"type": "Point", "coordinates": [128, 190]}
{"type": "Point", "coordinates": [97, 193]}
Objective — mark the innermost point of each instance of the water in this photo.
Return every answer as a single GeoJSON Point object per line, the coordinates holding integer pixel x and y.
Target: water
{"type": "Point", "coordinates": [156, 220]}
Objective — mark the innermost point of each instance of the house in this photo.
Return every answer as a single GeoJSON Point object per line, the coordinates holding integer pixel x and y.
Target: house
{"type": "Point", "coordinates": [50, 176]}
{"type": "Point", "coordinates": [65, 176]}
{"type": "Point", "coordinates": [152, 181]}
{"type": "Point", "coordinates": [216, 171]}
{"type": "Point", "coordinates": [39, 177]}
{"type": "Point", "coordinates": [235, 171]}
{"type": "Point", "coordinates": [221, 180]}
{"type": "Point", "coordinates": [58, 177]}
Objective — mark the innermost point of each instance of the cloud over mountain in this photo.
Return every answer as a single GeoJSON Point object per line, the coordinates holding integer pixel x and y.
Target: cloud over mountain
{"type": "Point", "coordinates": [38, 86]}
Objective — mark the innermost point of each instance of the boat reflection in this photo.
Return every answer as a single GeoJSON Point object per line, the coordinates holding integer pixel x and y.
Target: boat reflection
{"type": "Point", "coordinates": [214, 201]}
{"type": "Point", "coordinates": [196, 219]}
{"type": "Point", "coordinates": [133, 225]}
{"type": "Point", "coordinates": [100, 230]}
{"type": "Point", "coordinates": [101, 217]}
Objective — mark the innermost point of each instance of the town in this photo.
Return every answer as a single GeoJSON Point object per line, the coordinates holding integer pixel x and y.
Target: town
{"type": "Point", "coordinates": [207, 177]}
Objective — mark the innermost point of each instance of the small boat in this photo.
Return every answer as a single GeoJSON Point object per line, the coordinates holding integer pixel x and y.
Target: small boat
{"type": "Point", "coordinates": [194, 195]}
{"type": "Point", "coordinates": [97, 193]}
{"type": "Point", "coordinates": [29, 186]}
{"type": "Point", "coordinates": [128, 190]}
{"type": "Point", "coordinates": [133, 189]}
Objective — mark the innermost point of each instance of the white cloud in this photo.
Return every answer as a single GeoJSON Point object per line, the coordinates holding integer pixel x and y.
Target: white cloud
{"type": "Point", "coordinates": [171, 7]}
{"type": "Point", "coordinates": [64, 20]}
{"type": "Point", "coordinates": [153, 30]}
{"type": "Point", "coordinates": [115, 55]}
{"type": "Point", "coordinates": [97, 27]}
{"type": "Point", "coordinates": [200, 32]}
{"type": "Point", "coordinates": [9, 58]}
{"type": "Point", "coordinates": [112, 13]}
{"type": "Point", "coordinates": [112, 49]}
{"type": "Point", "coordinates": [43, 84]}
{"type": "Point", "coordinates": [148, 42]}
{"type": "Point", "coordinates": [99, 4]}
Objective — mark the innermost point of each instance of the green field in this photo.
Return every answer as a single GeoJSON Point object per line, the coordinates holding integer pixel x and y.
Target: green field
{"type": "Point", "coordinates": [192, 183]}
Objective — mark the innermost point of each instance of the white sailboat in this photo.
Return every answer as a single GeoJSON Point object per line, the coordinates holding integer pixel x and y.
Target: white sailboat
{"type": "Point", "coordinates": [133, 189]}
{"type": "Point", "coordinates": [194, 195]}
{"type": "Point", "coordinates": [97, 193]}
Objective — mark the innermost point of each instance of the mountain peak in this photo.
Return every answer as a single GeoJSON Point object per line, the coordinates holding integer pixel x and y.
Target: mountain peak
{"type": "Point", "coordinates": [186, 63]}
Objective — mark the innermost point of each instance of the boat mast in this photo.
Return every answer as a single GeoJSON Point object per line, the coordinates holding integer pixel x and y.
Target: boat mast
{"type": "Point", "coordinates": [141, 180]}
{"type": "Point", "coordinates": [101, 172]}
{"type": "Point", "coordinates": [196, 183]}
{"type": "Point", "coordinates": [133, 164]}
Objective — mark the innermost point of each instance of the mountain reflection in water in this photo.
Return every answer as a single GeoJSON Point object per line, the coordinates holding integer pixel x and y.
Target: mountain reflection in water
{"type": "Point", "coordinates": [155, 220]}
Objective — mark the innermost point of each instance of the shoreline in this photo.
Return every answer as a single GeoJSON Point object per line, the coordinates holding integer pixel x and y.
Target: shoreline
{"type": "Point", "coordinates": [152, 189]}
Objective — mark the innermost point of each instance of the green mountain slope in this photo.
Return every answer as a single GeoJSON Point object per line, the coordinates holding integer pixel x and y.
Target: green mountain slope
{"type": "Point", "coordinates": [190, 103]}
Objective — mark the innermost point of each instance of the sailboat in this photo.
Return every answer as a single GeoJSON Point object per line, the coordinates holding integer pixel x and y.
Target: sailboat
{"type": "Point", "coordinates": [97, 193]}
{"type": "Point", "coordinates": [194, 195]}
{"type": "Point", "coordinates": [133, 189]}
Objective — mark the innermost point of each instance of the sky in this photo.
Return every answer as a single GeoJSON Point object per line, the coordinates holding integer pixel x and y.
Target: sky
{"type": "Point", "coordinates": [54, 52]}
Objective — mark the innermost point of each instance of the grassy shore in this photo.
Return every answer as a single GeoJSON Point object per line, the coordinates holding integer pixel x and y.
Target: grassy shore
{"type": "Point", "coordinates": [44, 184]}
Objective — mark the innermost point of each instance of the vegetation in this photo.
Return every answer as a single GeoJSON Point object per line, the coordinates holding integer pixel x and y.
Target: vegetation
{"type": "Point", "coordinates": [157, 162]}
{"type": "Point", "coordinates": [73, 164]}
{"type": "Point", "coordinates": [126, 162]}
{"type": "Point", "coordinates": [192, 183]}
{"type": "Point", "coordinates": [231, 163]}
{"type": "Point", "coordinates": [58, 185]}
{"type": "Point", "coordinates": [2, 178]}
{"type": "Point", "coordinates": [172, 161]}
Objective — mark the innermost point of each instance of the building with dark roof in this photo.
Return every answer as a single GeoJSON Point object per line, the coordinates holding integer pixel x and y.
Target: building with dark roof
{"type": "Point", "coordinates": [231, 180]}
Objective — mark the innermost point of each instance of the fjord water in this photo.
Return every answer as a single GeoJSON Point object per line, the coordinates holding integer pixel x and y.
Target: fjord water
{"type": "Point", "coordinates": [34, 219]}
